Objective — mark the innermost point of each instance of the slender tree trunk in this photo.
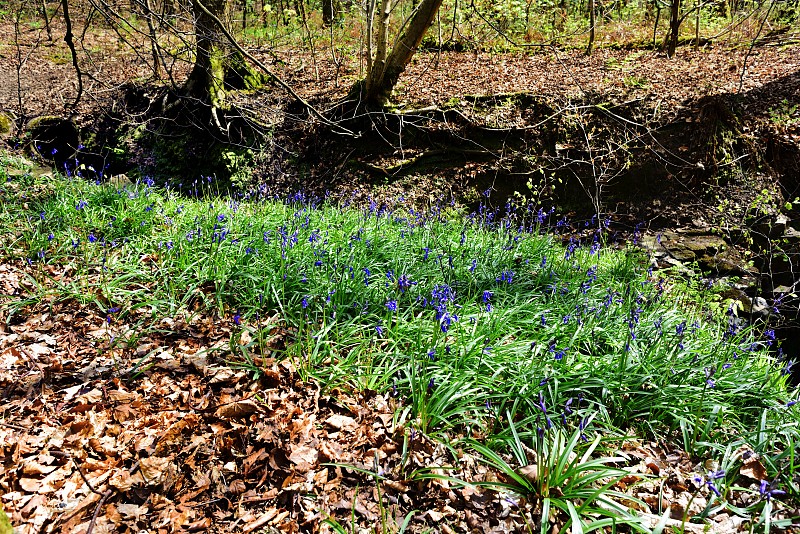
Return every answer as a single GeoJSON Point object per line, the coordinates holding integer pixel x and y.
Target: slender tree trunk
{"type": "Point", "coordinates": [46, 21]}
{"type": "Point", "coordinates": [71, 44]}
{"type": "Point", "coordinates": [381, 36]}
{"type": "Point", "coordinates": [382, 78]}
{"type": "Point", "coordinates": [674, 27]}
{"type": "Point", "coordinates": [655, 23]}
{"type": "Point", "coordinates": [592, 22]}
{"type": "Point", "coordinates": [153, 38]}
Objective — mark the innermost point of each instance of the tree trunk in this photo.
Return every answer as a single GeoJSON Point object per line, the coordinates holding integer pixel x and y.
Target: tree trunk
{"type": "Point", "coordinates": [385, 70]}
{"type": "Point", "coordinates": [381, 35]}
{"type": "Point", "coordinates": [217, 66]}
{"type": "Point", "coordinates": [592, 22]}
{"type": "Point", "coordinates": [46, 21]}
{"type": "Point", "coordinates": [330, 12]}
{"type": "Point", "coordinates": [674, 27]}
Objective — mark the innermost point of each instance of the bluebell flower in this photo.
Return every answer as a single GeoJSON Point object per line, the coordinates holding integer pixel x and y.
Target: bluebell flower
{"type": "Point", "coordinates": [392, 305]}
{"type": "Point", "coordinates": [541, 405]}
{"type": "Point", "coordinates": [681, 328]}
{"type": "Point", "coordinates": [769, 334]}
{"type": "Point", "coordinates": [506, 276]}
{"type": "Point", "coordinates": [711, 477]}
{"type": "Point", "coordinates": [404, 283]}
{"type": "Point", "coordinates": [582, 426]}
{"type": "Point", "coordinates": [767, 492]}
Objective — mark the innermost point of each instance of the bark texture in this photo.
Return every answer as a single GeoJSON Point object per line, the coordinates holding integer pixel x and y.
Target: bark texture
{"type": "Point", "coordinates": [385, 71]}
{"type": "Point", "coordinates": [217, 65]}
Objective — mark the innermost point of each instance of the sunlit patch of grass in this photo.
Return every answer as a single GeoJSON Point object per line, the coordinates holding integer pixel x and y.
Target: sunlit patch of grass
{"type": "Point", "coordinates": [475, 324]}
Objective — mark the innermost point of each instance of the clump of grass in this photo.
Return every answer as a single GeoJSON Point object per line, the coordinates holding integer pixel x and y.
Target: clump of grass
{"type": "Point", "coordinates": [477, 324]}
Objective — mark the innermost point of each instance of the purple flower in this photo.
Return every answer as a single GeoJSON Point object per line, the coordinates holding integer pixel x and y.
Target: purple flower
{"type": "Point", "coordinates": [541, 404]}
{"type": "Point", "coordinates": [404, 283]}
{"type": "Point", "coordinates": [769, 334]}
{"type": "Point", "coordinates": [767, 492]}
{"type": "Point", "coordinates": [392, 305]}
{"type": "Point", "coordinates": [681, 328]}
{"type": "Point", "coordinates": [711, 477]}
{"type": "Point", "coordinates": [506, 276]}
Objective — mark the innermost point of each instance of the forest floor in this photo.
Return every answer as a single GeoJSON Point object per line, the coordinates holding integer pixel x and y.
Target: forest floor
{"type": "Point", "coordinates": [76, 436]}
{"type": "Point", "coordinates": [650, 93]}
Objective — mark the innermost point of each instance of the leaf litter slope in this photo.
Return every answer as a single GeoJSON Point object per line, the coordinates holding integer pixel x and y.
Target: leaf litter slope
{"type": "Point", "coordinates": [193, 444]}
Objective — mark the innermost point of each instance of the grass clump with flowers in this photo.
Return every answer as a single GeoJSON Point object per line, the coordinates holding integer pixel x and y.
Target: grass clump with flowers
{"type": "Point", "coordinates": [493, 334]}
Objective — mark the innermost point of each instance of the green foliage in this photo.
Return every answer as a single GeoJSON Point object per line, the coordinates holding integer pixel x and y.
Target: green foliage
{"type": "Point", "coordinates": [5, 523]}
{"type": "Point", "coordinates": [564, 477]}
{"type": "Point", "coordinates": [473, 323]}
{"type": "Point", "coordinates": [785, 114]}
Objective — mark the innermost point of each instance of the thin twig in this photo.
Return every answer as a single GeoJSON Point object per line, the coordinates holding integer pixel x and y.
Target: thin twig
{"type": "Point", "coordinates": [108, 493]}
{"type": "Point", "coordinates": [68, 39]}
{"type": "Point", "coordinates": [752, 45]}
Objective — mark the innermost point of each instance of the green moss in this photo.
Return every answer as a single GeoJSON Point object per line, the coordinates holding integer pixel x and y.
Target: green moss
{"type": "Point", "coordinates": [6, 125]}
